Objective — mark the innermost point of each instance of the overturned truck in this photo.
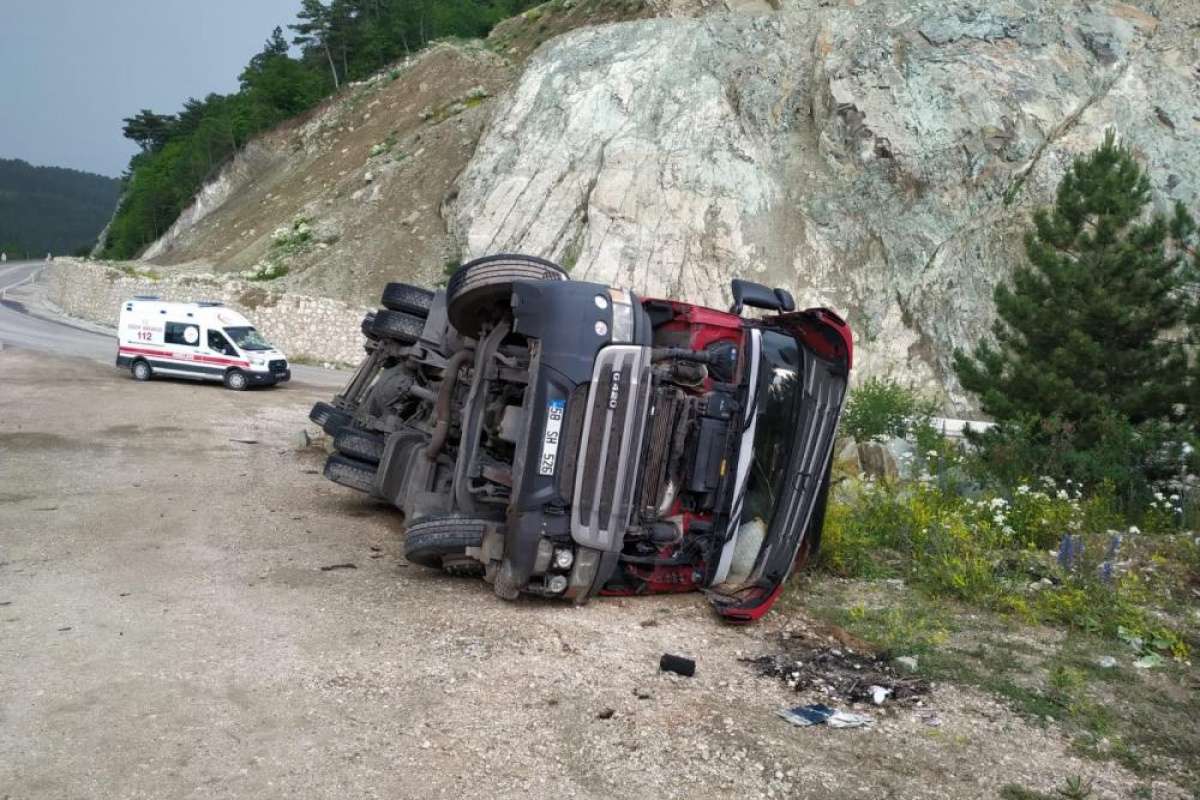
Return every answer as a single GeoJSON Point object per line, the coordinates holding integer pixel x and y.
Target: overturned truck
{"type": "Point", "coordinates": [566, 439]}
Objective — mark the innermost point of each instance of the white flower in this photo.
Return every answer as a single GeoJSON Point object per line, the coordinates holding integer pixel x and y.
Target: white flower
{"type": "Point", "coordinates": [931, 454]}
{"type": "Point", "coordinates": [1158, 495]}
{"type": "Point", "coordinates": [1174, 498]}
{"type": "Point", "coordinates": [998, 502]}
{"type": "Point", "coordinates": [1134, 529]}
{"type": "Point", "coordinates": [1062, 495]}
{"type": "Point", "coordinates": [998, 519]}
{"type": "Point", "coordinates": [1023, 489]}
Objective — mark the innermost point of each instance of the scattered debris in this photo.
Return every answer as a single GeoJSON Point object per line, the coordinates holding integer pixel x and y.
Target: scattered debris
{"type": "Point", "coordinates": [301, 440]}
{"type": "Point", "coordinates": [642, 693]}
{"type": "Point", "coordinates": [649, 623]}
{"type": "Point", "coordinates": [680, 665]}
{"type": "Point", "coordinates": [908, 662]}
{"type": "Point", "coordinates": [5, 602]}
{"type": "Point", "coordinates": [810, 661]}
{"type": "Point", "coordinates": [67, 628]}
{"type": "Point", "coordinates": [332, 567]}
{"type": "Point", "coordinates": [1106, 662]}
{"type": "Point", "coordinates": [245, 441]}
{"type": "Point", "coordinates": [605, 713]}
{"type": "Point", "coordinates": [1149, 661]}
{"type": "Point", "coordinates": [821, 714]}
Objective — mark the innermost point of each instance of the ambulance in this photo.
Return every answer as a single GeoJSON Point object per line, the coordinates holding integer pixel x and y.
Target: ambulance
{"type": "Point", "coordinates": [204, 341]}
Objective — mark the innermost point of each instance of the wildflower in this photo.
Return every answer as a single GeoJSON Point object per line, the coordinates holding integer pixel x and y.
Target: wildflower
{"type": "Point", "coordinates": [998, 502]}
{"type": "Point", "coordinates": [1174, 498]}
{"type": "Point", "coordinates": [1133, 529]}
{"type": "Point", "coordinates": [931, 454]}
{"type": "Point", "coordinates": [1023, 489]}
{"type": "Point", "coordinates": [1158, 496]}
{"type": "Point", "coordinates": [1062, 495]}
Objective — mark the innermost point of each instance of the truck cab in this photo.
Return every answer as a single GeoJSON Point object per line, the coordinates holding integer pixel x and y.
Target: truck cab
{"type": "Point", "coordinates": [568, 439]}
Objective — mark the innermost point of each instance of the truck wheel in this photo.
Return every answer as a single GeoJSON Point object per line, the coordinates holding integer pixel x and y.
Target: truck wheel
{"type": "Point", "coordinates": [236, 380]}
{"type": "Point", "coordinates": [440, 542]}
{"type": "Point", "coordinates": [350, 472]}
{"type": "Point", "coordinates": [397, 325]}
{"type": "Point", "coordinates": [408, 298]}
{"type": "Point", "coordinates": [359, 444]}
{"type": "Point", "coordinates": [481, 289]}
{"type": "Point", "coordinates": [330, 419]}
{"type": "Point", "coordinates": [141, 370]}
{"type": "Point", "coordinates": [367, 326]}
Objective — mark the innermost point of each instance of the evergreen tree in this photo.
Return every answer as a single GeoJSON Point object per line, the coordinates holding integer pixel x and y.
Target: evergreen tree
{"type": "Point", "coordinates": [315, 30]}
{"type": "Point", "coordinates": [1090, 328]}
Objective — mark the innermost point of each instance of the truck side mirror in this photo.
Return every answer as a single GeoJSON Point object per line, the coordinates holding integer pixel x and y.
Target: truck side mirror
{"type": "Point", "coordinates": [749, 293]}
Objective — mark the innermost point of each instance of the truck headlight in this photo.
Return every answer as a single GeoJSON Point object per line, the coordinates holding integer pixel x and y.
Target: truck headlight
{"type": "Point", "coordinates": [563, 558]}
{"type": "Point", "coordinates": [556, 584]}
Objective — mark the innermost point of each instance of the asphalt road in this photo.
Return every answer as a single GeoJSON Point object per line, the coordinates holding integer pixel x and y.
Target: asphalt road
{"type": "Point", "coordinates": [30, 328]}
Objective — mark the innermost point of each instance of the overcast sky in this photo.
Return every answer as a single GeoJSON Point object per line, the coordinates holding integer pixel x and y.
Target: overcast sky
{"type": "Point", "coordinates": [70, 70]}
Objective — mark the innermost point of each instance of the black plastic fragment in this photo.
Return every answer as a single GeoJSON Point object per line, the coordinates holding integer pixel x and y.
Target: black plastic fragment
{"type": "Point", "coordinates": [677, 664]}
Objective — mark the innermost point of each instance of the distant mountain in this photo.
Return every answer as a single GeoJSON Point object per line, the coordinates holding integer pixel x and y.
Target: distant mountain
{"type": "Point", "coordinates": [51, 209]}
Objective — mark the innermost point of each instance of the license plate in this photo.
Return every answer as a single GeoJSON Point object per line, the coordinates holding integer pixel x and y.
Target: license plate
{"type": "Point", "coordinates": [554, 418]}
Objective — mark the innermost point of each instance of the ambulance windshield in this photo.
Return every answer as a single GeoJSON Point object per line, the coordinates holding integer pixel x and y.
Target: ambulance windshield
{"type": "Point", "coordinates": [248, 338]}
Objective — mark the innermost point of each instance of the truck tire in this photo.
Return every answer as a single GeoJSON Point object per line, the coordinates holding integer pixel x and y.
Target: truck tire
{"type": "Point", "coordinates": [236, 380]}
{"type": "Point", "coordinates": [481, 289]}
{"type": "Point", "coordinates": [330, 419]}
{"type": "Point", "coordinates": [359, 444]}
{"type": "Point", "coordinates": [367, 326]}
{"type": "Point", "coordinates": [350, 472]}
{"type": "Point", "coordinates": [397, 325]}
{"type": "Point", "coordinates": [141, 370]}
{"type": "Point", "coordinates": [440, 542]}
{"type": "Point", "coordinates": [408, 298]}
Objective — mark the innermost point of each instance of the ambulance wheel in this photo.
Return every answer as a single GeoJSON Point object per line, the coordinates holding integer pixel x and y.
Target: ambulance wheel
{"type": "Point", "coordinates": [406, 297]}
{"type": "Point", "coordinates": [236, 380]}
{"type": "Point", "coordinates": [141, 370]}
{"type": "Point", "coordinates": [350, 472]}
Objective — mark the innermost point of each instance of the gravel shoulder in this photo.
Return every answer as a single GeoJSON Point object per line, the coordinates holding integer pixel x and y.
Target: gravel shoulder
{"type": "Point", "coordinates": [166, 630]}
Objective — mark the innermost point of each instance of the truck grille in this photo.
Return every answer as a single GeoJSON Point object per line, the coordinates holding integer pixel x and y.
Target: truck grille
{"type": "Point", "coordinates": [279, 366]}
{"type": "Point", "coordinates": [611, 447]}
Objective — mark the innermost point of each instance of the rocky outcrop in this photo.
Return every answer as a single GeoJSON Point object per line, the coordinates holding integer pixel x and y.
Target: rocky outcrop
{"type": "Point", "coordinates": [879, 158]}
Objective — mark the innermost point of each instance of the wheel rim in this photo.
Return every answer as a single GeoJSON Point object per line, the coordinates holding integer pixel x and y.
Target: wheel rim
{"type": "Point", "coordinates": [237, 380]}
{"type": "Point", "coordinates": [141, 371]}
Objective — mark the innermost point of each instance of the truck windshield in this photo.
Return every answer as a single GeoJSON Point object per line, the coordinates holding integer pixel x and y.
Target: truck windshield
{"type": "Point", "coordinates": [248, 338]}
{"type": "Point", "coordinates": [774, 433]}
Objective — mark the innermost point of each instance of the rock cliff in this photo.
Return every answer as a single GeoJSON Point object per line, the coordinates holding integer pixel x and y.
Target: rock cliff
{"type": "Point", "coordinates": [880, 157]}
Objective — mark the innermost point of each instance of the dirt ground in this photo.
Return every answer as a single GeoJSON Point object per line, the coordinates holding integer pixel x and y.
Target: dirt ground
{"type": "Point", "coordinates": [166, 630]}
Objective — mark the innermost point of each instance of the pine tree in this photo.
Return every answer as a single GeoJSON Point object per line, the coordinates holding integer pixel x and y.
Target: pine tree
{"type": "Point", "coordinates": [1091, 327]}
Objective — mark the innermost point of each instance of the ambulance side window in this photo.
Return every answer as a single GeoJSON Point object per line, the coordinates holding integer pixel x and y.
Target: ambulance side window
{"type": "Point", "coordinates": [219, 344]}
{"type": "Point", "coordinates": [182, 333]}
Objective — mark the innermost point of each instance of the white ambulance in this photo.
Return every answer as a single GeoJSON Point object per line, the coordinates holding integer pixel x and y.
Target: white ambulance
{"type": "Point", "coordinates": [206, 341]}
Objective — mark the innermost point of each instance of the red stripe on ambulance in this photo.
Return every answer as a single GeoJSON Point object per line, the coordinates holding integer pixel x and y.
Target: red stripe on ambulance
{"type": "Point", "coordinates": [197, 358]}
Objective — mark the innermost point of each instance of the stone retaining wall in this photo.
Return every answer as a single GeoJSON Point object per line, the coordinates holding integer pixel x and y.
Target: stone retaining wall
{"type": "Point", "coordinates": [305, 328]}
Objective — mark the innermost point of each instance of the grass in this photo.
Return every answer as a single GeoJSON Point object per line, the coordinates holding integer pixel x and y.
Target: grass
{"type": "Point", "coordinates": [1142, 719]}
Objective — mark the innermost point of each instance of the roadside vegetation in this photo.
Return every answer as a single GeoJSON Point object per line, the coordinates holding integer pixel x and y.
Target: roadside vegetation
{"type": "Point", "coordinates": [337, 42]}
{"type": "Point", "coordinates": [1053, 559]}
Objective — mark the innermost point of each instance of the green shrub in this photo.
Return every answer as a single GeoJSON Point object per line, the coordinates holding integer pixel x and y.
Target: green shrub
{"type": "Point", "coordinates": [999, 552]}
{"type": "Point", "coordinates": [882, 408]}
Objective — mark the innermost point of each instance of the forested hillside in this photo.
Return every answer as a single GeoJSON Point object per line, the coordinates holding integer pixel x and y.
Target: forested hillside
{"type": "Point", "coordinates": [51, 209]}
{"type": "Point", "coordinates": [339, 41]}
